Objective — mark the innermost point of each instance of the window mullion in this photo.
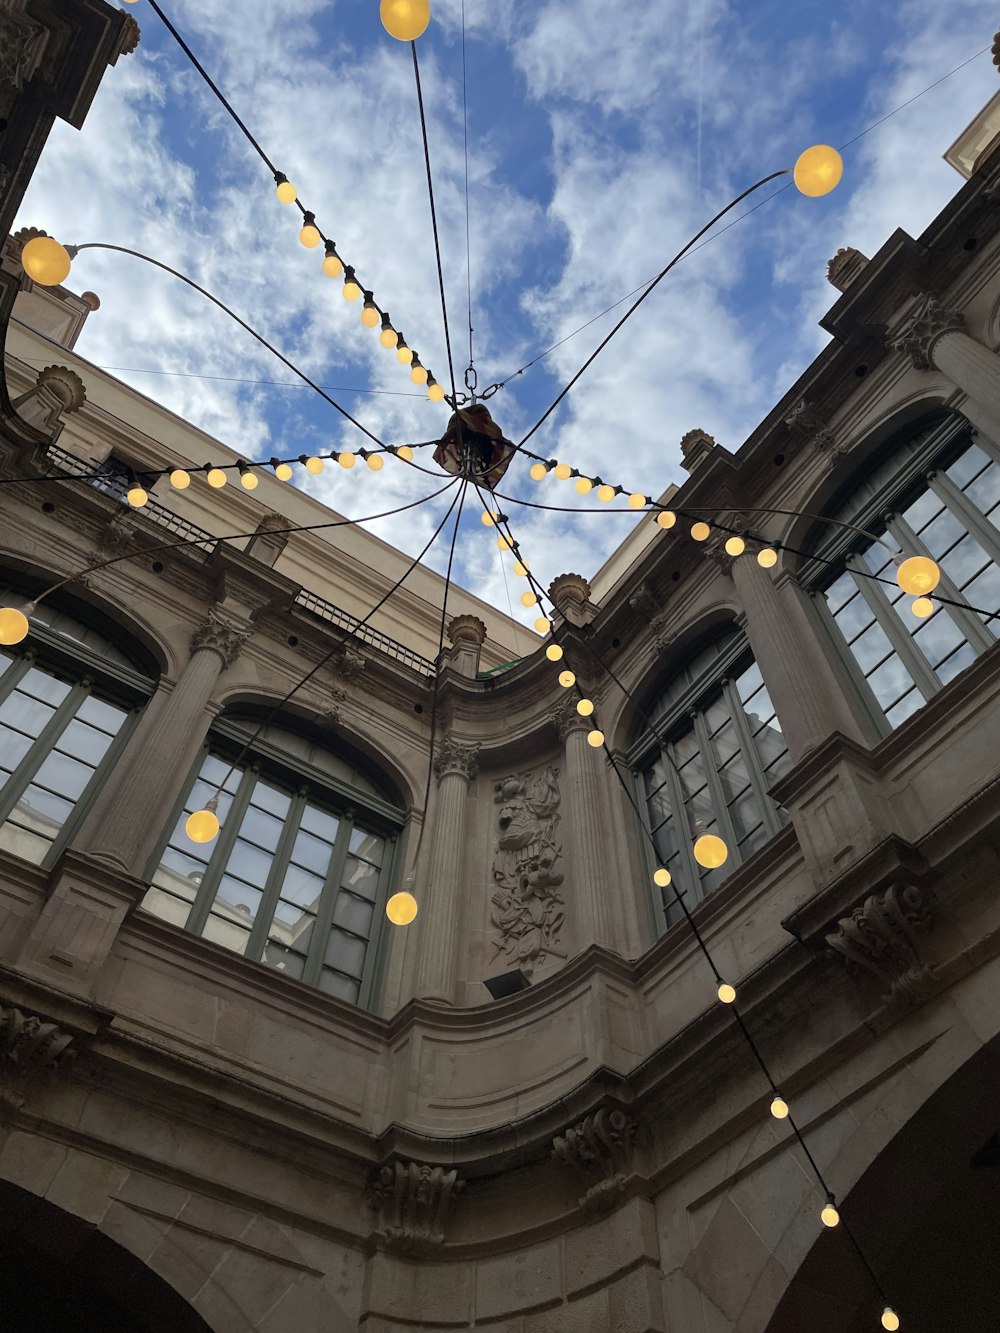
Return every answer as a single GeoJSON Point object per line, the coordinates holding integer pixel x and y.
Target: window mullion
{"type": "Point", "coordinates": [682, 825]}
{"type": "Point", "coordinates": [198, 915]}
{"type": "Point", "coordinates": [974, 522]}
{"type": "Point", "coordinates": [846, 659]}
{"type": "Point", "coordinates": [275, 878]}
{"type": "Point", "coordinates": [328, 900]}
{"type": "Point", "coordinates": [755, 771]}
{"type": "Point", "coordinates": [725, 824]}
{"type": "Point", "coordinates": [893, 628]}
{"type": "Point", "coordinates": [967, 621]}
{"type": "Point", "coordinates": [42, 745]}
{"type": "Point", "coordinates": [988, 445]}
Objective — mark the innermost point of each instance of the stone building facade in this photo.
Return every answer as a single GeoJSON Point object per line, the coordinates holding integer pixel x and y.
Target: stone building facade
{"type": "Point", "coordinates": [231, 1099]}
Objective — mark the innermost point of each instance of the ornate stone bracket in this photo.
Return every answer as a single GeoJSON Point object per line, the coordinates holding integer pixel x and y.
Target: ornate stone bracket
{"type": "Point", "coordinates": [22, 44]}
{"type": "Point", "coordinates": [599, 1149]}
{"type": "Point", "coordinates": [413, 1202]}
{"type": "Point", "coordinates": [884, 937]}
{"type": "Point", "coordinates": [223, 635]}
{"type": "Point", "coordinates": [645, 601]}
{"type": "Point", "coordinates": [119, 534]}
{"type": "Point", "coordinates": [58, 392]}
{"type": "Point", "coordinates": [806, 418]}
{"type": "Point", "coordinates": [927, 321]}
{"type": "Point", "coordinates": [29, 1047]}
{"type": "Point", "coordinates": [452, 757]}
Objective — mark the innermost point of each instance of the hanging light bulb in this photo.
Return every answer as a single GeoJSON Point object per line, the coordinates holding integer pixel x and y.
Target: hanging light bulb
{"type": "Point", "coordinates": [666, 518]}
{"type": "Point", "coordinates": [585, 707]}
{"type": "Point", "coordinates": [595, 738]}
{"type": "Point", "coordinates": [890, 1319]}
{"type": "Point", "coordinates": [605, 493]}
{"type": "Point", "coordinates": [45, 261]}
{"type": "Point", "coordinates": [662, 877]}
{"type": "Point", "coordinates": [538, 472]}
{"type": "Point", "coordinates": [332, 265]}
{"type": "Point", "coordinates": [405, 453]}
{"type": "Point", "coordinates": [137, 495]}
{"type": "Point", "coordinates": [487, 519]}
{"type": "Point", "coordinates": [435, 392]}
{"type": "Point", "coordinates": [351, 289]}
{"type": "Point", "coordinates": [710, 851]}
{"type": "Point", "coordinates": [216, 477]}
{"type": "Point", "coordinates": [735, 546]}
{"type": "Point", "coordinates": [388, 335]}
{"type": "Point", "coordinates": [406, 20]}
{"type": "Point", "coordinates": [401, 909]}
{"type": "Point", "coordinates": [818, 170]}
{"type": "Point", "coordinates": [370, 316]}
{"type": "Point", "coordinates": [203, 825]}
{"type": "Point", "coordinates": [563, 471]}
{"type": "Point", "coordinates": [314, 465]}
{"type": "Point", "coordinates": [554, 652]}
{"type": "Point", "coordinates": [375, 461]}
{"type": "Point", "coordinates": [779, 1107]}
{"type": "Point", "coordinates": [767, 558]}
{"type": "Point", "coordinates": [726, 993]}
{"type": "Point", "coordinates": [179, 479]}
{"type": "Point", "coordinates": [346, 459]}
{"type": "Point", "coordinates": [528, 599]}
{"type": "Point", "coordinates": [566, 679]}
{"type": "Point", "coordinates": [285, 189]}
{"type": "Point", "coordinates": [543, 624]}
{"type": "Point", "coordinates": [700, 532]}
{"type": "Point", "coordinates": [309, 235]}
{"type": "Point", "coordinates": [14, 623]}
{"type": "Point", "coordinates": [521, 570]}
{"type": "Point", "coordinates": [637, 501]}
{"type": "Point", "coordinates": [283, 472]}
{"type": "Point", "coordinates": [829, 1216]}
{"type": "Point", "coordinates": [584, 485]}
{"type": "Point", "coordinates": [403, 353]}
{"type": "Point", "coordinates": [504, 544]}
{"type": "Point", "coordinates": [249, 480]}
{"type": "Point", "coordinates": [918, 575]}
{"type": "Point", "coordinates": [418, 374]}
{"type": "Point", "coordinates": [922, 607]}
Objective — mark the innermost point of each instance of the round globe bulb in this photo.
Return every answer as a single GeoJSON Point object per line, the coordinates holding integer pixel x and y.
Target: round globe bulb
{"type": "Point", "coordinates": [543, 624]}
{"type": "Point", "coordinates": [401, 909]}
{"type": "Point", "coordinates": [662, 877]}
{"type": "Point", "coordinates": [554, 652]}
{"type": "Point", "coordinates": [283, 472]}
{"type": "Point", "coordinates": [818, 170]}
{"type": "Point", "coordinates": [286, 192]}
{"type": "Point", "coordinates": [202, 826]}
{"type": "Point", "coordinates": [726, 993]}
{"type": "Point", "coordinates": [666, 518]}
{"type": "Point", "coordinates": [137, 497]}
{"type": "Point", "coordinates": [922, 607]}
{"type": "Point", "coordinates": [595, 738]}
{"type": "Point", "coordinates": [13, 626]}
{"type": "Point", "coordinates": [370, 317]}
{"type": "Point", "coordinates": [562, 471]}
{"type": "Point", "coordinates": [710, 851]}
{"type": "Point", "coordinates": [406, 20]}
{"type": "Point", "coordinates": [605, 494]}
{"type": "Point", "coordinates": [539, 472]}
{"type": "Point", "coordinates": [405, 453]}
{"type": "Point", "coordinates": [528, 599]}
{"type": "Point", "coordinates": [419, 374]}
{"type": "Point", "coordinates": [346, 459]}
{"type": "Point", "coordinates": [566, 679]}
{"type": "Point", "coordinates": [767, 558]}
{"type": "Point", "coordinates": [45, 261]}
{"type": "Point", "coordinates": [351, 290]}
{"type": "Point", "coordinates": [585, 707]}
{"type": "Point", "coordinates": [890, 1319]}
{"type": "Point", "coordinates": [636, 501]}
{"type": "Point", "coordinates": [249, 481]}
{"type": "Point", "coordinates": [435, 392]}
{"type": "Point", "coordinates": [503, 543]}
{"type": "Point", "coordinates": [700, 532]}
{"type": "Point", "coordinates": [735, 546]}
{"type": "Point", "coordinates": [179, 479]}
{"type": "Point", "coordinates": [487, 519]}
{"type": "Point", "coordinates": [404, 355]}
{"type": "Point", "coordinates": [387, 337]}
{"type": "Point", "coordinates": [376, 462]}
{"type": "Point", "coordinates": [314, 465]}
{"type": "Point", "coordinates": [332, 266]}
{"type": "Point", "coordinates": [520, 570]}
{"type": "Point", "coordinates": [216, 477]}
{"type": "Point", "coordinates": [779, 1108]}
{"type": "Point", "coordinates": [829, 1216]}
{"type": "Point", "coordinates": [918, 575]}
{"type": "Point", "coordinates": [584, 485]}
{"type": "Point", "coordinates": [309, 236]}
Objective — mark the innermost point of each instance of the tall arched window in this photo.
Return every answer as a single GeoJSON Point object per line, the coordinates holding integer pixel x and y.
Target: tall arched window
{"type": "Point", "coordinates": [69, 695]}
{"type": "Point", "coordinates": [722, 749]}
{"type": "Point", "coordinates": [298, 876]}
{"type": "Point", "coordinates": [936, 494]}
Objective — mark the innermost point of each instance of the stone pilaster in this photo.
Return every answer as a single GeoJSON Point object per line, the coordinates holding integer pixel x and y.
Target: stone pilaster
{"type": "Point", "coordinates": [590, 832]}
{"type": "Point", "coordinates": [935, 338]}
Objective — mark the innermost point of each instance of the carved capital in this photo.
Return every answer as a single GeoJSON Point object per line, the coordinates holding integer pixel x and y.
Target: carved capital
{"type": "Point", "coordinates": [926, 322]}
{"type": "Point", "coordinates": [412, 1202]}
{"type": "Point", "coordinates": [884, 938]}
{"type": "Point", "coordinates": [22, 45]}
{"type": "Point", "coordinates": [222, 635]}
{"type": "Point", "coordinates": [29, 1048]}
{"type": "Point", "coordinates": [567, 720]}
{"type": "Point", "coordinates": [599, 1149]}
{"type": "Point", "coordinates": [454, 758]}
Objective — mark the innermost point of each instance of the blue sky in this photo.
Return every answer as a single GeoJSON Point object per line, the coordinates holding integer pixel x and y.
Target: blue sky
{"type": "Point", "coordinates": [601, 137]}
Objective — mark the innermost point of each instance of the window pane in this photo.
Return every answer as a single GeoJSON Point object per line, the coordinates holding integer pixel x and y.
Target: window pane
{"type": "Point", "coordinates": [227, 933]}
{"type": "Point", "coordinates": [343, 987]}
{"type": "Point", "coordinates": [354, 914]}
{"type": "Point", "coordinates": [21, 713]}
{"type": "Point", "coordinates": [361, 878]}
{"type": "Point", "coordinates": [368, 846]}
{"type": "Point", "coordinates": [345, 953]}
{"type": "Point", "coordinates": [311, 853]}
{"type": "Point", "coordinates": [292, 927]}
{"type": "Point", "coordinates": [302, 886]}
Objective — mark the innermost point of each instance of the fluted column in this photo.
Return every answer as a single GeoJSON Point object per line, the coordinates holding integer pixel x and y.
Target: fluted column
{"type": "Point", "coordinates": [125, 825]}
{"type": "Point", "coordinates": [792, 660]}
{"type": "Point", "coordinates": [590, 829]}
{"type": "Point", "coordinates": [455, 766]}
{"type": "Point", "coordinates": [935, 336]}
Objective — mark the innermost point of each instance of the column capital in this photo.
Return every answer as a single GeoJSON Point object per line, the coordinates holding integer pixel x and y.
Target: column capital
{"type": "Point", "coordinates": [567, 720]}
{"type": "Point", "coordinates": [926, 321]}
{"type": "Point", "coordinates": [223, 634]}
{"type": "Point", "coordinates": [455, 759]}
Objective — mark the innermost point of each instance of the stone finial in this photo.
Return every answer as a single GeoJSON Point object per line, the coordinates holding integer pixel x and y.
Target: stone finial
{"type": "Point", "coordinates": [570, 595]}
{"type": "Point", "coordinates": [223, 635]}
{"type": "Point", "coordinates": [599, 1149]}
{"type": "Point", "coordinates": [467, 635]}
{"type": "Point", "coordinates": [884, 936]}
{"type": "Point", "coordinates": [413, 1202]}
{"type": "Point", "coordinates": [131, 34]}
{"type": "Point", "coordinates": [995, 48]}
{"type": "Point", "coordinates": [455, 759]}
{"type": "Point", "coordinates": [66, 385]}
{"type": "Point", "coordinates": [58, 392]}
{"type": "Point", "coordinates": [846, 265]}
{"type": "Point", "coordinates": [926, 322]}
{"type": "Point", "coordinates": [29, 1046]}
{"type": "Point", "coordinates": [696, 445]}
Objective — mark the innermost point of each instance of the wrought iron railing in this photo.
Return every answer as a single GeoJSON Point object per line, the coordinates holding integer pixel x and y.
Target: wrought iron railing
{"type": "Point", "coordinates": [319, 606]}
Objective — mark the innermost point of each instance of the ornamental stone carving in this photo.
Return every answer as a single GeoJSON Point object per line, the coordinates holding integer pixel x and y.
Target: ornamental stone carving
{"type": "Point", "coordinates": [57, 392]}
{"type": "Point", "coordinates": [29, 1047]}
{"type": "Point", "coordinates": [884, 938]}
{"type": "Point", "coordinates": [696, 446]}
{"type": "Point", "coordinates": [119, 534]}
{"type": "Point", "coordinates": [66, 385]}
{"type": "Point", "coordinates": [846, 265]}
{"type": "Point", "coordinates": [348, 663]}
{"type": "Point", "coordinates": [806, 418]}
{"type": "Point", "coordinates": [467, 629]}
{"type": "Point", "coordinates": [527, 911]}
{"type": "Point", "coordinates": [222, 635]}
{"type": "Point", "coordinates": [22, 45]}
{"type": "Point", "coordinates": [413, 1202]}
{"type": "Point", "coordinates": [566, 719]}
{"type": "Point", "coordinates": [599, 1149]}
{"type": "Point", "coordinates": [645, 601]}
{"type": "Point", "coordinates": [453, 758]}
{"type": "Point", "coordinates": [570, 595]}
{"type": "Point", "coordinates": [131, 35]}
{"type": "Point", "coordinates": [927, 321]}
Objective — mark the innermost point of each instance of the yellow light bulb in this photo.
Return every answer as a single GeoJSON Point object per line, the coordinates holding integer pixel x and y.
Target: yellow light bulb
{"type": "Point", "coordinates": [562, 471]}
{"type": "Point", "coordinates": [818, 170]}
{"type": "Point", "coordinates": [566, 679]}
{"type": "Point", "coordinates": [637, 501]}
{"type": "Point", "coordinates": [890, 1319]}
{"type": "Point", "coordinates": [13, 626]}
{"type": "Point", "coordinates": [662, 877]}
{"type": "Point", "coordinates": [710, 851]}
{"type": "Point", "coordinates": [314, 465]}
{"type": "Point", "coordinates": [401, 909]}
{"type": "Point", "coordinates": [370, 317]}
{"type": "Point", "coordinates": [405, 453]}
{"type": "Point", "coordinates": [554, 652]}
{"type": "Point", "coordinates": [585, 707]}
{"type": "Point", "coordinates": [309, 236]}
{"type": "Point", "coordinates": [503, 543]}
{"type": "Point", "coordinates": [584, 485]}
{"type": "Point", "coordinates": [767, 558]}
{"type": "Point", "coordinates": [179, 479]}
{"type": "Point", "coordinates": [403, 354]}
{"type": "Point", "coordinates": [829, 1216]}
{"type": "Point", "coordinates": [388, 336]}
{"type": "Point", "coordinates": [520, 570]}
{"type": "Point", "coordinates": [249, 481]}
{"type": "Point", "coordinates": [376, 462]}
{"type": "Point", "coordinates": [435, 392]}
{"type": "Point", "coordinates": [202, 826]}
{"type": "Point", "coordinates": [350, 290]}
{"type": "Point", "coordinates": [487, 519]}
{"type": "Point", "coordinates": [922, 607]}
{"type": "Point", "coordinates": [346, 459]}
{"type": "Point", "coordinates": [45, 261]}
{"type": "Point", "coordinates": [700, 532]}
{"type": "Point", "coordinates": [726, 993]}
{"type": "Point", "coordinates": [137, 497]}
{"type": "Point", "coordinates": [666, 518]}
{"type": "Point", "coordinates": [216, 477]}
{"type": "Point", "coordinates": [406, 20]}
{"type": "Point", "coordinates": [283, 472]}
{"type": "Point", "coordinates": [528, 599]}
{"type": "Point", "coordinates": [539, 472]}
{"type": "Point", "coordinates": [779, 1108]}
{"type": "Point", "coordinates": [605, 494]}
{"type": "Point", "coordinates": [418, 374]}
{"type": "Point", "coordinates": [286, 192]}
{"type": "Point", "coordinates": [332, 266]}
{"type": "Point", "coordinates": [918, 575]}
{"type": "Point", "coordinates": [735, 546]}
{"type": "Point", "coordinates": [595, 738]}
{"type": "Point", "coordinates": [543, 624]}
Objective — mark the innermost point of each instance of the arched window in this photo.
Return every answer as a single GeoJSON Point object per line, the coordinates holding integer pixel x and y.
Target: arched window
{"type": "Point", "coordinates": [69, 696]}
{"type": "Point", "coordinates": [722, 750]}
{"type": "Point", "coordinates": [298, 876]}
{"type": "Point", "coordinates": [936, 494]}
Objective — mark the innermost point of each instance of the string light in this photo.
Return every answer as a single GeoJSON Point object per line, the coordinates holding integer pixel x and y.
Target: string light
{"type": "Point", "coordinates": [566, 679]}
{"type": "Point", "coordinates": [388, 335]}
{"type": "Point", "coordinates": [735, 546]}
{"type": "Point", "coordinates": [137, 496]}
{"type": "Point", "coordinates": [637, 501]}
{"type": "Point", "coordinates": [767, 558]}
{"type": "Point", "coordinates": [406, 20]}
{"type": "Point", "coordinates": [370, 316]}
{"type": "Point", "coordinates": [346, 459]}
{"type": "Point", "coordinates": [487, 519]}
{"type": "Point", "coordinates": [309, 235]}
{"type": "Point", "coordinates": [818, 170]}
{"type": "Point", "coordinates": [666, 518]}
{"type": "Point", "coordinates": [584, 485]}
{"type": "Point", "coordinates": [179, 479]}
{"type": "Point", "coordinates": [554, 652]}
{"type": "Point", "coordinates": [543, 625]}
{"type": "Point", "coordinates": [528, 599]}
{"type": "Point", "coordinates": [283, 472]}
{"type": "Point", "coordinates": [918, 575]}
{"type": "Point", "coordinates": [585, 707]}
{"type": "Point", "coordinates": [375, 461]}
{"type": "Point", "coordinates": [700, 532]}
{"type": "Point", "coordinates": [503, 543]}
{"type": "Point", "coordinates": [332, 264]}
{"type": "Point", "coordinates": [726, 993]}
{"type": "Point", "coordinates": [14, 624]}
{"type": "Point", "coordinates": [605, 493]}
{"type": "Point", "coordinates": [434, 390]}
{"type": "Point", "coordinates": [779, 1108]}
{"type": "Point", "coordinates": [520, 569]}
{"type": "Point", "coordinates": [922, 607]}
{"type": "Point", "coordinates": [829, 1216]}
{"type": "Point", "coordinates": [595, 738]}
{"type": "Point", "coordinates": [401, 909]}
{"type": "Point", "coordinates": [417, 372]}
{"type": "Point", "coordinates": [890, 1319]}
{"type": "Point", "coordinates": [216, 477]}
{"type": "Point", "coordinates": [248, 480]}
{"type": "Point", "coordinates": [710, 851]}
{"type": "Point", "coordinates": [351, 289]}
{"type": "Point", "coordinates": [405, 453]}
{"type": "Point", "coordinates": [403, 353]}
{"type": "Point", "coordinates": [314, 465]}
{"type": "Point", "coordinates": [538, 471]}
{"type": "Point", "coordinates": [563, 471]}
{"type": "Point", "coordinates": [662, 877]}
{"type": "Point", "coordinates": [285, 189]}
{"type": "Point", "coordinates": [203, 825]}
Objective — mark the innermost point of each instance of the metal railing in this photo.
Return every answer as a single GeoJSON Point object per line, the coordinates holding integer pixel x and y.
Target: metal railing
{"type": "Point", "coordinates": [319, 606]}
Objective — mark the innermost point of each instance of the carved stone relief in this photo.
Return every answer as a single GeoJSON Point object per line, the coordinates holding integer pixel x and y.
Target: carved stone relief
{"type": "Point", "coordinates": [928, 321]}
{"type": "Point", "coordinates": [527, 909]}
{"type": "Point", "coordinates": [22, 44]}
{"type": "Point", "coordinates": [413, 1202]}
{"type": "Point", "coordinates": [28, 1048]}
{"type": "Point", "coordinates": [223, 635]}
{"type": "Point", "coordinates": [884, 938]}
{"type": "Point", "coordinates": [599, 1149]}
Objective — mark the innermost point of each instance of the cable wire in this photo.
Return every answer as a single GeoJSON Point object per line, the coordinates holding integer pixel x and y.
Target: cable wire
{"type": "Point", "coordinates": [468, 235]}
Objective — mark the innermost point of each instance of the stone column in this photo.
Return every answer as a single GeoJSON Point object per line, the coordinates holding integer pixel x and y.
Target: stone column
{"type": "Point", "coordinates": [795, 666]}
{"type": "Point", "coordinates": [125, 825]}
{"type": "Point", "coordinates": [590, 829]}
{"type": "Point", "coordinates": [455, 766]}
{"type": "Point", "coordinates": [467, 635]}
{"type": "Point", "coordinates": [934, 337]}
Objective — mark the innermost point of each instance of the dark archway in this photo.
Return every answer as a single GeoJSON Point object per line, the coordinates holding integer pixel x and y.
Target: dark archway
{"type": "Point", "coordinates": [59, 1273]}
{"type": "Point", "coordinates": [926, 1214]}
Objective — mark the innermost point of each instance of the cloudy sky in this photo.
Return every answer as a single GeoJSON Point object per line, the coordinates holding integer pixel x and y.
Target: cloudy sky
{"type": "Point", "coordinates": [600, 138]}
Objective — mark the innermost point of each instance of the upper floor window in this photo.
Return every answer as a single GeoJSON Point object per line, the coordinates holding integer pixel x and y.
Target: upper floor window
{"type": "Point", "coordinates": [937, 495]}
{"type": "Point", "coordinates": [298, 876]}
{"type": "Point", "coordinates": [722, 750]}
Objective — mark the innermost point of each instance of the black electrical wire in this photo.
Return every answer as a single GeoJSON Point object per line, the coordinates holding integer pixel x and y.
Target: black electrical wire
{"type": "Point", "coordinates": [468, 236]}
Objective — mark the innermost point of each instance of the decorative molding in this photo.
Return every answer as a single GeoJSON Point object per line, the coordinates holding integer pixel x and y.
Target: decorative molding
{"type": "Point", "coordinates": [131, 35]}
{"type": "Point", "coordinates": [29, 1047]}
{"type": "Point", "coordinates": [223, 635]}
{"type": "Point", "coordinates": [413, 1202]}
{"type": "Point", "coordinates": [927, 321]}
{"type": "Point", "coordinates": [119, 534]}
{"type": "Point", "coordinates": [527, 911]}
{"type": "Point", "coordinates": [883, 937]}
{"type": "Point", "coordinates": [599, 1149]}
{"type": "Point", "coordinates": [348, 663]}
{"type": "Point", "coordinates": [22, 45]}
{"type": "Point", "coordinates": [645, 601]}
{"type": "Point", "coordinates": [66, 384]}
{"type": "Point", "coordinates": [806, 418]}
{"type": "Point", "coordinates": [453, 758]}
